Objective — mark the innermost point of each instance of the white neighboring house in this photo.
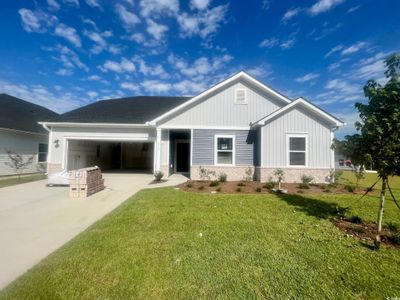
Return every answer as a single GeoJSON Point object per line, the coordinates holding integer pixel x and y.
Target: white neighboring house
{"type": "Point", "coordinates": [237, 124]}
{"type": "Point", "coordinates": [20, 132]}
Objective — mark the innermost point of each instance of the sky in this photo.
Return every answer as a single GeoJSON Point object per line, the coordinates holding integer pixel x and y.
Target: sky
{"type": "Point", "coordinates": [63, 54]}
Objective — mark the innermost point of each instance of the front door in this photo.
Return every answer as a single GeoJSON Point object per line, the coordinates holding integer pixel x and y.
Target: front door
{"type": "Point", "coordinates": [182, 157]}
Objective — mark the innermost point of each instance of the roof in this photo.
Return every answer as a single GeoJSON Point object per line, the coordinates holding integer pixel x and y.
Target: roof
{"type": "Point", "coordinates": [237, 76]}
{"type": "Point", "coordinates": [18, 114]}
{"type": "Point", "coordinates": [306, 104]}
{"type": "Point", "coordinates": [130, 110]}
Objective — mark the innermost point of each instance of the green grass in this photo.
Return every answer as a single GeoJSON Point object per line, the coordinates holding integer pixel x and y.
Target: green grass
{"type": "Point", "coordinates": [13, 180]}
{"type": "Point", "coordinates": [370, 178]}
{"type": "Point", "coordinates": [168, 244]}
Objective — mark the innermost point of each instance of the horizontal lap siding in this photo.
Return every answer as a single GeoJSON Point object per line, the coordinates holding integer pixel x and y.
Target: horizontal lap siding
{"type": "Point", "coordinates": [203, 146]}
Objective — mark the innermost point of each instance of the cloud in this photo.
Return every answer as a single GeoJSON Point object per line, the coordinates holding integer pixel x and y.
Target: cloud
{"type": "Point", "coordinates": [307, 77]}
{"type": "Point", "coordinates": [72, 2]}
{"type": "Point", "coordinates": [354, 48]}
{"type": "Point", "coordinates": [370, 68]}
{"type": "Point", "coordinates": [323, 6]}
{"type": "Point", "coordinates": [36, 21]}
{"type": "Point", "coordinates": [189, 87]}
{"type": "Point", "coordinates": [128, 18]}
{"type": "Point", "coordinates": [268, 43]}
{"type": "Point", "coordinates": [124, 66]}
{"type": "Point", "coordinates": [130, 86]}
{"type": "Point", "coordinates": [199, 4]}
{"type": "Point", "coordinates": [326, 31]}
{"type": "Point", "coordinates": [343, 86]}
{"type": "Point", "coordinates": [92, 94]}
{"type": "Point", "coordinates": [288, 44]}
{"type": "Point", "coordinates": [97, 78]}
{"type": "Point", "coordinates": [64, 72]}
{"type": "Point", "coordinates": [69, 59]}
{"type": "Point", "coordinates": [353, 9]}
{"type": "Point", "coordinates": [53, 5]}
{"type": "Point", "coordinates": [156, 30]}
{"type": "Point", "coordinates": [147, 70]}
{"type": "Point", "coordinates": [292, 12]}
{"type": "Point", "coordinates": [93, 3]}
{"type": "Point", "coordinates": [69, 34]}
{"type": "Point", "coordinates": [265, 4]}
{"type": "Point", "coordinates": [151, 8]}
{"type": "Point", "coordinates": [334, 50]}
{"type": "Point", "coordinates": [156, 86]}
{"type": "Point", "coordinates": [261, 71]}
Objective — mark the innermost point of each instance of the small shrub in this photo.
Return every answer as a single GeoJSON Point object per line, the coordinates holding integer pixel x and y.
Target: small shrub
{"type": "Point", "coordinates": [395, 238]}
{"type": "Point", "coordinates": [334, 177]}
{"type": "Point", "coordinates": [214, 183]}
{"type": "Point", "coordinates": [270, 184]}
{"type": "Point", "coordinates": [357, 229]}
{"type": "Point", "coordinates": [238, 189]}
{"type": "Point", "coordinates": [201, 187]}
{"type": "Point", "coordinates": [248, 174]}
{"type": "Point", "coordinates": [158, 176]}
{"type": "Point", "coordinates": [327, 191]}
{"type": "Point", "coordinates": [241, 184]}
{"type": "Point", "coordinates": [189, 185]}
{"type": "Point", "coordinates": [350, 188]}
{"type": "Point", "coordinates": [258, 190]}
{"type": "Point", "coordinates": [355, 220]}
{"type": "Point", "coordinates": [393, 227]}
{"type": "Point", "coordinates": [205, 174]}
{"type": "Point", "coordinates": [222, 177]}
{"type": "Point", "coordinates": [305, 181]}
{"type": "Point", "coordinates": [218, 189]}
{"type": "Point", "coordinates": [280, 175]}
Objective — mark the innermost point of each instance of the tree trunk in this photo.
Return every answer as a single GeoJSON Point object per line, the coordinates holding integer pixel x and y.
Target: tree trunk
{"type": "Point", "coordinates": [380, 213]}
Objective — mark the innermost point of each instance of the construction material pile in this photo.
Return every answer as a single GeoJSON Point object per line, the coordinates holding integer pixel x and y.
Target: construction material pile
{"type": "Point", "coordinates": [85, 182]}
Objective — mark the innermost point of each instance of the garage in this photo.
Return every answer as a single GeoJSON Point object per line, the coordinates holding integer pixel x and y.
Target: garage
{"type": "Point", "coordinates": [132, 156]}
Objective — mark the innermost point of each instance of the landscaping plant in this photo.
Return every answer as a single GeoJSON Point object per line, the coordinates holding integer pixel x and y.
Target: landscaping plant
{"type": "Point", "coordinates": [17, 162]}
{"type": "Point", "coordinates": [205, 174]}
{"type": "Point", "coordinates": [158, 176]}
{"type": "Point", "coordinates": [222, 177]}
{"type": "Point", "coordinates": [305, 181]}
{"type": "Point", "coordinates": [248, 174]}
{"type": "Point", "coordinates": [280, 175]}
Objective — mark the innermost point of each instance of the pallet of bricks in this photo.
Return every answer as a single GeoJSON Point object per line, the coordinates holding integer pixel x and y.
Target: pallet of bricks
{"type": "Point", "coordinates": [85, 182]}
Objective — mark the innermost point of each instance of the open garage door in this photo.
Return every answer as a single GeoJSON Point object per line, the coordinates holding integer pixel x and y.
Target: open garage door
{"type": "Point", "coordinates": [128, 156]}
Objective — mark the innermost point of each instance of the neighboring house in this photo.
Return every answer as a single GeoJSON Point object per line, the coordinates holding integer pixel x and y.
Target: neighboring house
{"type": "Point", "coordinates": [236, 124]}
{"type": "Point", "coordinates": [20, 132]}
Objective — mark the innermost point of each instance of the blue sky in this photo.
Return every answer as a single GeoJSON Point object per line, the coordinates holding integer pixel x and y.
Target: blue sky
{"type": "Point", "coordinates": [63, 54]}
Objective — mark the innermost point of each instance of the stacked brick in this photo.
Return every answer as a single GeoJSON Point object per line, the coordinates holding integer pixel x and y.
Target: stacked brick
{"type": "Point", "coordinates": [85, 182]}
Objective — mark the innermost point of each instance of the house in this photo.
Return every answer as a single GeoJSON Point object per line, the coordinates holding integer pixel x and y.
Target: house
{"type": "Point", "coordinates": [239, 123]}
{"type": "Point", "coordinates": [21, 134]}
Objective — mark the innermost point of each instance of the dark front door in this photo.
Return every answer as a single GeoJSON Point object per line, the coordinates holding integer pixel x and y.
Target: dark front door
{"type": "Point", "coordinates": [116, 157]}
{"type": "Point", "coordinates": [182, 157]}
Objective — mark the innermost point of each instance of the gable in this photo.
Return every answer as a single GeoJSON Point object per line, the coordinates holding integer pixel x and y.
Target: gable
{"type": "Point", "coordinates": [219, 108]}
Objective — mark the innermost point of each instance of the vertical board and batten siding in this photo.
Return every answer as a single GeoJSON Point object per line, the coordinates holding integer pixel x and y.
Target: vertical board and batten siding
{"type": "Point", "coordinates": [220, 109]}
{"type": "Point", "coordinates": [204, 148]}
{"type": "Point", "coordinates": [297, 120]}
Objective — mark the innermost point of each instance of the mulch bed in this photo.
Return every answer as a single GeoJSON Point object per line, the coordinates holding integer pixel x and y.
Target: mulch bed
{"type": "Point", "coordinates": [255, 187]}
{"type": "Point", "coordinates": [365, 232]}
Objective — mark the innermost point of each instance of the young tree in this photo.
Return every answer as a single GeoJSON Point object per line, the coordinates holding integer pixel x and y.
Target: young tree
{"type": "Point", "coordinates": [17, 162]}
{"type": "Point", "coordinates": [380, 128]}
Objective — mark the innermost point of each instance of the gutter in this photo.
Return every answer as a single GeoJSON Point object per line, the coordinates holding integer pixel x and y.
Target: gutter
{"type": "Point", "coordinates": [99, 125]}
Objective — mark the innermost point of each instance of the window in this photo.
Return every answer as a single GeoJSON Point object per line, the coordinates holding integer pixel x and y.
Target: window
{"type": "Point", "coordinates": [240, 96]}
{"type": "Point", "coordinates": [224, 150]}
{"type": "Point", "coordinates": [297, 150]}
{"type": "Point", "coordinates": [42, 153]}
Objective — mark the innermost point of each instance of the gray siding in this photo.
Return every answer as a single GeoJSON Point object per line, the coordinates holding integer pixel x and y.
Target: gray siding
{"type": "Point", "coordinates": [219, 109]}
{"type": "Point", "coordinates": [301, 121]}
{"type": "Point", "coordinates": [203, 146]}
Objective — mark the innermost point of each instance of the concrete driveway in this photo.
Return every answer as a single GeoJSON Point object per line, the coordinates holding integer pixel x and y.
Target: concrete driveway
{"type": "Point", "coordinates": [35, 220]}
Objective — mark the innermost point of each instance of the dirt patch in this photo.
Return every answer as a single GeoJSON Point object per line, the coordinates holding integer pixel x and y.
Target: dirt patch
{"type": "Point", "coordinates": [365, 232]}
{"type": "Point", "coordinates": [255, 187]}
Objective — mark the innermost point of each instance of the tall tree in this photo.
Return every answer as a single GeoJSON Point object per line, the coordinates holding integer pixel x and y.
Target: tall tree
{"type": "Point", "coordinates": [380, 128]}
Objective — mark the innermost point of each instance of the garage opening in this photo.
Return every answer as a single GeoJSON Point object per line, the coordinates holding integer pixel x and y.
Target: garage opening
{"type": "Point", "coordinates": [123, 156]}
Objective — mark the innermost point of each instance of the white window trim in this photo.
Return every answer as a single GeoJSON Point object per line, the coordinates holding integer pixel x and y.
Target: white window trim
{"type": "Point", "coordinates": [245, 96]}
{"type": "Point", "coordinates": [216, 149]}
{"type": "Point", "coordinates": [288, 136]}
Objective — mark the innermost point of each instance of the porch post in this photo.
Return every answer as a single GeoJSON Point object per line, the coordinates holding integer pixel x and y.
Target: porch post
{"type": "Point", "coordinates": [158, 150]}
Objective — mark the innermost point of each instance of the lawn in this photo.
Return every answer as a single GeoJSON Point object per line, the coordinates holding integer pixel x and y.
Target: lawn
{"type": "Point", "coordinates": [13, 180]}
{"type": "Point", "coordinates": [170, 244]}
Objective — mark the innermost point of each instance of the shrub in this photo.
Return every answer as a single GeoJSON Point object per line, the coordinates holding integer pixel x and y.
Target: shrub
{"type": "Point", "coordinates": [395, 238]}
{"type": "Point", "coordinates": [222, 177]}
{"type": "Point", "coordinates": [355, 220]}
{"type": "Point", "coordinates": [205, 174]}
{"type": "Point", "coordinates": [270, 184]}
{"type": "Point", "coordinates": [201, 187]}
{"type": "Point", "coordinates": [305, 181]}
{"type": "Point", "coordinates": [258, 190]}
{"type": "Point", "coordinates": [393, 227]}
{"type": "Point", "coordinates": [248, 174]}
{"type": "Point", "coordinates": [214, 183]}
{"type": "Point", "coordinates": [189, 185]}
{"type": "Point", "coordinates": [241, 184]}
{"type": "Point", "coordinates": [350, 188]}
{"type": "Point", "coordinates": [218, 189]}
{"type": "Point", "coordinates": [280, 175]}
{"type": "Point", "coordinates": [158, 176]}
{"type": "Point", "coordinates": [327, 191]}
{"type": "Point", "coordinates": [334, 177]}
{"type": "Point", "coordinates": [238, 189]}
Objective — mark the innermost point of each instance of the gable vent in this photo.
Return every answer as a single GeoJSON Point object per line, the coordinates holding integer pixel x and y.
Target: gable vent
{"type": "Point", "coordinates": [240, 96]}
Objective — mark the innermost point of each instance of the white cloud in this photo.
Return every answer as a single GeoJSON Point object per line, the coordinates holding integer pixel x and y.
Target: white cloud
{"type": "Point", "coordinates": [189, 87]}
{"type": "Point", "coordinates": [130, 86]}
{"type": "Point", "coordinates": [268, 43]}
{"type": "Point", "coordinates": [353, 9]}
{"type": "Point", "coordinates": [93, 3]}
{"type": "Point", "coordinates": [156, 30]}
{"type": "Point", "coordinates": [370, 68]}
{"type": "Point", "coordinates": [261, 71]}
{"type": "Point", "coordinates": [354, 48]}
{"type": "Point", "coordinates": [334, 50]}
{"type": "Point", "coordinates": [288, 44]}
{"type": "Point", "coordinates": [68, 33]}
{"type": "Point", "coordinates": [72, 2]}
{"type": "Point", "coordinates": [94, 78]}
{"type": "Point", "coordinates": [53, 5]}
{"type": "Point", "coordinates": [147, 70]}
{"type": "Point", "coordinates": [343, 86]}
{"type": "Point", "coordinates": [68, 58]}
{"type": "Point", "coordinates": [128, 18]}
{"type": "Point", "coordinates": [199, 4]}
{"type": "Point", "coordinates": [36, 21]}
{"type": "Point", "coordinates": [124, 66]}
{"type": "Point", "coordinates": [290, 14]}
{"type": "Point", "coordinates": [265, 4]}
{"type": "Point", "coordinates": [323, 6]}
{"type": "Point", "coordinates": [156, 86]}
{"type": "Point", "coordinates": [307, 77]}
{"type": "Point", "coordinates": [150, 8]}
{"type": "Point", "coordinates": [64, 72]}
{"type": "Point", "coordinates": [92, 94]}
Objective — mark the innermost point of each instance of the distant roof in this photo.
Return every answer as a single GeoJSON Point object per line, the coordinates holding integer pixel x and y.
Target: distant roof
{"type": "Point", "coordinates": [130, 110]}
{"type": "Point", "coordinates": [18, 114]}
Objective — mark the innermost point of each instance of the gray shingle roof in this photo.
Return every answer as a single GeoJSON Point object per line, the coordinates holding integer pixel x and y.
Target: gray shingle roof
{"type": "Point", "coordinates": [22, 115]}
{"type": "Point", "coordinates": [130, 110]}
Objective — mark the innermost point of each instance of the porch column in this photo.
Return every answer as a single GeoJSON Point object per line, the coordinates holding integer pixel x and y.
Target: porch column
{"type": "Point", "coordinates": [158, 150]}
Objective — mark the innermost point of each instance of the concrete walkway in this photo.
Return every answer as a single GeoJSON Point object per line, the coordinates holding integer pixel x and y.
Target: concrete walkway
{"type": "Point", "coordinates": [35, 220]}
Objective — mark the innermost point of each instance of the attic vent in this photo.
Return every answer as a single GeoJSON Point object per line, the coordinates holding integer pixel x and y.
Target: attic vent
{"type": "Point", "coordinates": [240, 96]}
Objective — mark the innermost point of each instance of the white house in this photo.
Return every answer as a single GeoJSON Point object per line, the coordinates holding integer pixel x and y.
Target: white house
{"type": "Point", "coordinates": [236, 124]}
{"type": "Point", "coordinates": [21, 134]}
